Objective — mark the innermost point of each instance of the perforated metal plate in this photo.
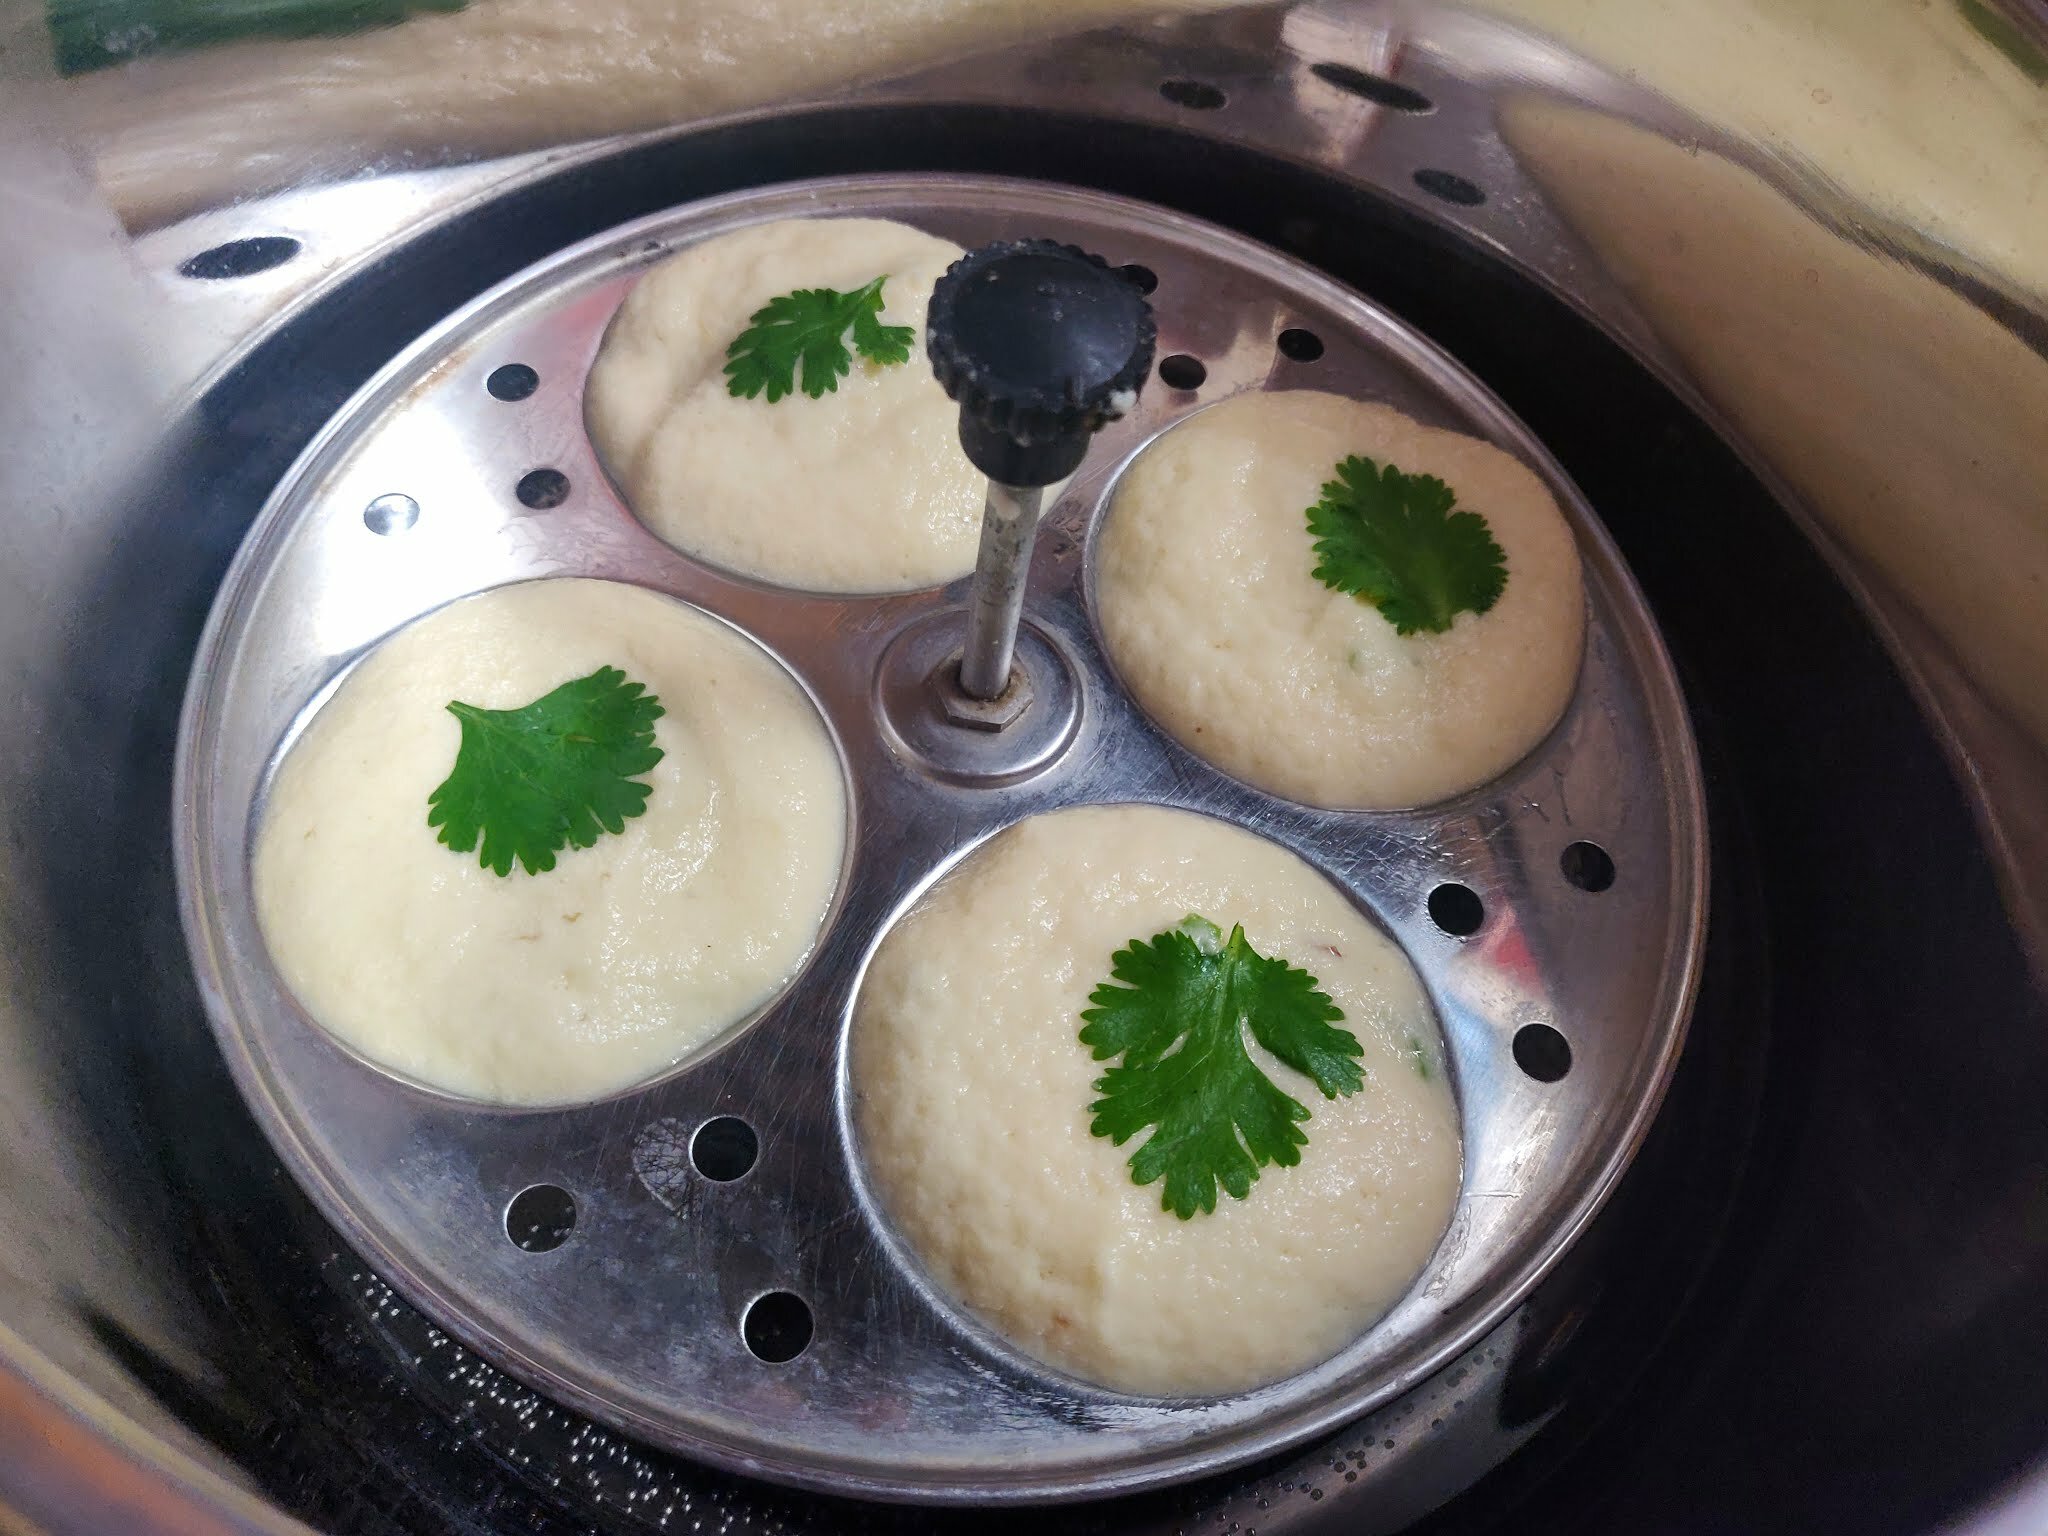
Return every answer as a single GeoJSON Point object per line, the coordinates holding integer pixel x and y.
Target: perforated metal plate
{"type": "Point", "coordinates": [636, 1317]}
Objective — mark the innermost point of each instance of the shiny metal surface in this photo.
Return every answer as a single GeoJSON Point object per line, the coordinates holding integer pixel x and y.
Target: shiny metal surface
{"type": "Point", "coordinates": [636, 1317]}
{"type": "Point", "coordinates": [1859, 1357]}
{"type": "Point", "coordinates": [933, 724]}
{"type": "Point", "coordinates": [995, 602]}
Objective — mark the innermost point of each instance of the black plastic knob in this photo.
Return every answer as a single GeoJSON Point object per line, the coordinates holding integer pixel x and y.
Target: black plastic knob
{"type": "Point", "coordinates": [1041, 343]}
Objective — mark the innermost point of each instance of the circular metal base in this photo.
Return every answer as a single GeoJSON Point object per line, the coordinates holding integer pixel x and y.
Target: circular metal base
{"type": "Point", "coordinates": [936, 726]}
{"type": "Point", "coordinates": [639, 1313]}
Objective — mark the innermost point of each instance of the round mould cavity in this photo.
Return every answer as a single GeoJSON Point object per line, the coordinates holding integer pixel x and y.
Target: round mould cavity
{"type": "Point", "coordinates": [693, 394]}
{"type": "Point", "coordinates": [1262, 585]}
{"type": "Point", "coordinates": [413, 897]}
{"type": "Point", "coordinates": [969, 1074]}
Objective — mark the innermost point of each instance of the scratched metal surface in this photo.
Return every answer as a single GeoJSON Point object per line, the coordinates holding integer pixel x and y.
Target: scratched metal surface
{"type": "Point", "coordinates": [635, 1318]}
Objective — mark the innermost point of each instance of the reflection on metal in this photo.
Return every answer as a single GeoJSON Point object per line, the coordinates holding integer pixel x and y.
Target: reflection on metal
{"type": "Point", "coordinates": [1009, 525]}
{"type": "Point", "coordinates": [1905, 418]}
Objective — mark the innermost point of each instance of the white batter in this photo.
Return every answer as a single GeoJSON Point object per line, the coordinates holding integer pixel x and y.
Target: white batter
{"type": "Point", "coordinates": [627, 955]}
{"type": "Point", "coordinates": [861, 490]}
{"type": "Point", "coordinates": [1213, 615]}
{"type": "Point", "coordinates": [971, 1092]}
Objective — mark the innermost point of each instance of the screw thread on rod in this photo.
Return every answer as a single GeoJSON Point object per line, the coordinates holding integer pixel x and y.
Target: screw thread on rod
{"type": "Point", "coordinates": [1009, 524]}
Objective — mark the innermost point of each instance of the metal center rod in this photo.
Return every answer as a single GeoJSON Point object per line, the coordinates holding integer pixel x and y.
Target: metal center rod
{"type": "Point", "coordinates": [1009, 525]}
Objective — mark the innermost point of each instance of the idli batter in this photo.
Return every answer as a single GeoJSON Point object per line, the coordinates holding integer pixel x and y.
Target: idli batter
{"type": "Point", "coordinates": [972, 1093]}
{"type": "Point", "coordinates": [864, 489]}
{"type": "Point", "coordinates": [625, 957]}
{"type": "Point", "coordinates": [1212, 613]}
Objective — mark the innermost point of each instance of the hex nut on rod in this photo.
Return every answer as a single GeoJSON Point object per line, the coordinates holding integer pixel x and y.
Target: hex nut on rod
{"type": "Point", "coordinates": [964, 709]}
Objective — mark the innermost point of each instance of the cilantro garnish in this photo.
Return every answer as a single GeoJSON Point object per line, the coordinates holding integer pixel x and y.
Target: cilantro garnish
{"type": "Point", "coordinates": [1392, 540]}
{"type": "Point", "coordinates": [531, 781]}
{"type": "Point", "coordinates": [809, 327]}
{"type": "Point", "coordinates": [1220, 1118]}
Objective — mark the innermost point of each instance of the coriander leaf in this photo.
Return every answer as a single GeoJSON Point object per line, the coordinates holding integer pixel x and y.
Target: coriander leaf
{"type": "Point", "coordinates": [531, 781]}
{"type": "Point", "coordinates": [883, 345]}
{"type": "Point", "coordinates": [809, 327]}
{"type": "Point", "coordinates": [1218, 1117]}
{"type": "Point", "coordinates": [1392, 540]}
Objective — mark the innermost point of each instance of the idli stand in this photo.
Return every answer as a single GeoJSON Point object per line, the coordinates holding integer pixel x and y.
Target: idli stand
{"type": "Point", "coordinates": [703, 1258]}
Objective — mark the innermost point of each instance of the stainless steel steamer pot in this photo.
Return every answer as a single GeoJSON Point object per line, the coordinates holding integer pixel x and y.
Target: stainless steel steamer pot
{"type": "Point", "coordinates": [1794, 365]}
